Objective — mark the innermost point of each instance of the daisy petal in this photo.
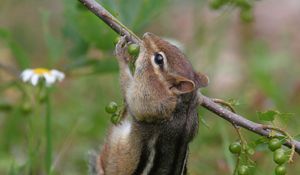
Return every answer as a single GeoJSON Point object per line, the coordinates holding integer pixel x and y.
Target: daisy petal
{"type": "Point", "coordinates": [26, 75]}
{"type": "Point", "coordinates": [35, 79]}
{"type": "Point", "coordinates": [50, 79]}
{"type": "Point", "coordinates": [58, 75]}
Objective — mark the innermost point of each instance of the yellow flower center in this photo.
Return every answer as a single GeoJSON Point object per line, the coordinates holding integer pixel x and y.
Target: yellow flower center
{"type": "Point", "coordinates": [41, 71]}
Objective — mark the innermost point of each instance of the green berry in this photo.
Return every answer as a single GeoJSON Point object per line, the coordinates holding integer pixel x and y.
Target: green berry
{"type": "Point", "coordinates": [115, 119]}
{"type": "Point", "coordinates": [243, 170]}
{"type": "Point", "coordinates": [235, 147]}
{"type": "Point", "coordinates": [247, 15]}
{"type": "Point", "coordinates": [111, 108]}
{"type": "Point", "coordinates": [280, 156]}
{"type": "Point", "coordinates": [133, 49]}
{"type": "Point", "coordinates": [280, 170]}
{"type": "Point", "coordinates": [116, 40]}
{"type": "Point", "coordinates": [274, 144]}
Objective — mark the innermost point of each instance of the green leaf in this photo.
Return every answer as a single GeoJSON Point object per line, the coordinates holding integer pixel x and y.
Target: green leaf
{"type": "Point", "coordinates": [285, 116]}
{"type": "Point", "coordinates": [233, 102]}
{"type": "Point", "coordinates": [267, 115]}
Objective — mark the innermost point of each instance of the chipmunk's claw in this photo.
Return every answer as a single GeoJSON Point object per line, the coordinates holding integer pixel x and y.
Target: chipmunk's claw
{"type": "Point", "coordinates": [121, 50]}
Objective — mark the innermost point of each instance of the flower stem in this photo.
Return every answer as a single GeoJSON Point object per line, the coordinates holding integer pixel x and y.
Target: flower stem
{"type": "Point", "coordinates": [48, 158]}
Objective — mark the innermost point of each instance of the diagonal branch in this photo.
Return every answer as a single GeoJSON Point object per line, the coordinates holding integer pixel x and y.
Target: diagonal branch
{"type": "Point", "coordinates": [220, 111]}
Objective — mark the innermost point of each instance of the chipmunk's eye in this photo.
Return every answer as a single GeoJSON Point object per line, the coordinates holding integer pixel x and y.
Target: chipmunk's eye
{"type": "Point", "coordinates": [158, 59]}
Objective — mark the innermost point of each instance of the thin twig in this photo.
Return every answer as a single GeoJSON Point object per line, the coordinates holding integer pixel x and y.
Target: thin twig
{"type": "Point", "coordinates": [206, 102]}
{"type": "Point", "coordinates": [238, 131]}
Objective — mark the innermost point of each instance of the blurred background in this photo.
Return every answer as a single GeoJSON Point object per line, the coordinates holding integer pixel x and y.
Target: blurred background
{"type": "Point", "coordinates": [251, 55]}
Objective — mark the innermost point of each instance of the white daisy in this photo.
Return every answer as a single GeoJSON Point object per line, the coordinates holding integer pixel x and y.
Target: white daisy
{"type": "Point", "coordinates": [34, 75]}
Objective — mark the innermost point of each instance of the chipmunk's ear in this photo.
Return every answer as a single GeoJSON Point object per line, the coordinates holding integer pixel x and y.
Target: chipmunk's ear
{"type": "Point", "coordinates": [202, 80]}
{"type": "Point", "coordinates": [181, 85]}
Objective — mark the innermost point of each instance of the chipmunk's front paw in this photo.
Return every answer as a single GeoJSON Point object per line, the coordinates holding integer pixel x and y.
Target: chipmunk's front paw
{"type": "Point", "coordinates": [121, 50]}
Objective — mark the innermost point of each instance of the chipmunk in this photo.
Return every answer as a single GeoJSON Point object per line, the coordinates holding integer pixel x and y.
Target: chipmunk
{"type": "Point", "coordinates": [161, 102]}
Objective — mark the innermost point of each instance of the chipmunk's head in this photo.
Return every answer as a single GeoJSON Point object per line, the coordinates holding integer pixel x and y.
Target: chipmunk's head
{"type": "Point", "coordinates": [163, 74]}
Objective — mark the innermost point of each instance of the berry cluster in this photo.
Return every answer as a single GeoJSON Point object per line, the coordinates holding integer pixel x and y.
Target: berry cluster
{"type": "Point", "coordinates": [242, 150]}
{"type": "Point", "coordinates": [115, 111]}
{"type": "Point", "coordinates": [245, 7]}
{"type": "Point", "coordinates": [280, 156]}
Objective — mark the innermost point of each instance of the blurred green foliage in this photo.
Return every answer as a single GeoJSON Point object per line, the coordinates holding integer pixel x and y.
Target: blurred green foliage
{"type": "Point", "coordinates": [66, 36]}
{"type": "Point", "coordinates": [20, 54]}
